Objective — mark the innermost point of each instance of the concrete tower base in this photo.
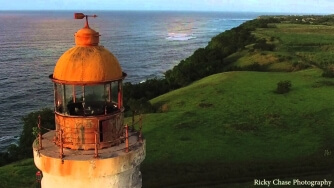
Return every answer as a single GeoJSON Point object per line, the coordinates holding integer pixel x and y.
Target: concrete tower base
{"type": "Point", "coordinates": [113, 168]}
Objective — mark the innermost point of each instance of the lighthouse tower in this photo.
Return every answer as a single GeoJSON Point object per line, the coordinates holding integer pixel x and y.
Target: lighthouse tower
{"type": "Point", "coordinates": [90, 146]}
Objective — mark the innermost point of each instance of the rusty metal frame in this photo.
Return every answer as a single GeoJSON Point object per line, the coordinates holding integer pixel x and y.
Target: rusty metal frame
{"type": "Point", "coordinates": [86, 83]}
{"type": "Point", "coordinates": [61, 149]}
{"type": "Point", "coordinates": [55, 96]}
{"type": "Point", "coordinates": [73, 94]}
{"type": "Point", "coordinates": [126, 138]}
{"type": "Point", "coordinates": [96, 155]}
{"type": "Point", "coordinates": [39, 133]}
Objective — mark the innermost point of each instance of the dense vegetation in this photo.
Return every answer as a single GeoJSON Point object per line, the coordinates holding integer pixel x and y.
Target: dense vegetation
{"type": "Point", "coordinates": [23, 149]}
{"type": "Point", "coordinates": [232, 127]}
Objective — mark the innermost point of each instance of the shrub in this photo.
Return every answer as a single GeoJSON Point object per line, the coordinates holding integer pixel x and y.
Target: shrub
{"type": "Point", "coordinates": [296, 66]}
{"type": "Point", "coordinates": [255, 66]}
{"type": "Point", "coordinates": [162, 108]}
{"type": "Point", "coordinates": [283, 87]}
{"type": "Point", "coordinates": [263, 45]}
{"type": "Point", "coordinates": [328, 72]}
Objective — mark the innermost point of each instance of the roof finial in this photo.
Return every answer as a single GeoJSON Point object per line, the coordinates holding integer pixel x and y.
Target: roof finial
{"type": "Point", "coordinates": [86, 36]}
{"type": "Point", "coordinates": [81, 16]}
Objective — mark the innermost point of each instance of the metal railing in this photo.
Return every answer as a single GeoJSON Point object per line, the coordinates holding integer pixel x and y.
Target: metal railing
{"type": "Point", "coordinates": [59, 137]}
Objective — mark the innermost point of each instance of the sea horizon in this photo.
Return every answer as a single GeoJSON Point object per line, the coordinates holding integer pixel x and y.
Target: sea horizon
{"type": "Point", "coordinates": [260, 13]}
{"type": "Point", "coordinates": [146, 44]}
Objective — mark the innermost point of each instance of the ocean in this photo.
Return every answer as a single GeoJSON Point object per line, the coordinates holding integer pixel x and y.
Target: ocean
{"type": "Point", "coordinates": [146, 43]}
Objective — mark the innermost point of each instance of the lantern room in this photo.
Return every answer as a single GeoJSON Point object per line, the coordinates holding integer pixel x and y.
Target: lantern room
{"type": "Point", "coordinates": [88, 96]}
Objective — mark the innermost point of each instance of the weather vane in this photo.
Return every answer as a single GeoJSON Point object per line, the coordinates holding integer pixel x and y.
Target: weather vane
{"type": "Point", "coordinates": [81, 16]}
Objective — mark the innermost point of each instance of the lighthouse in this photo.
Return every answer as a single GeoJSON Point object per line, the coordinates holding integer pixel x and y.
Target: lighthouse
{"type": "Point", "coordinates": [90, 146]}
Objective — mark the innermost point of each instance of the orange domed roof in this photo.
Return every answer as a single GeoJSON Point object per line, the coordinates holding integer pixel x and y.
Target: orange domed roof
{"type": "Point", "coordinates": [86, 64]}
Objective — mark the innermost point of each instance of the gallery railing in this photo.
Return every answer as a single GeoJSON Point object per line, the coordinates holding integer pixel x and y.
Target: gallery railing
{"type": "Point", "coordinates": [59, 137]}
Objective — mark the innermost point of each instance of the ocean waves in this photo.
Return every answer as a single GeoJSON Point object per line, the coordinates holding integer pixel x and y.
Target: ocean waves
{"type": "Point", "coordinates": [180, 36]}
{"type": "Point", "coordinates": [146, 44]}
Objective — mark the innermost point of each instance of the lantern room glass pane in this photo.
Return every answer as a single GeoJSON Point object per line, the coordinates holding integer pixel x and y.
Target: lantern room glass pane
{"type": "Point", "coordinates": [74, 98]}
{"type": "Point", "coordinates": [114, 89]}
{"type": "Point", "coordinates": [95, 100]}
{"type": "Point", "coordinates": [95, 93]}
{"type": "Point", "coordinates": [59, 102]}
{"type": "Point", "coordinates": [107, 89]}
{"type": "Point", "coordinates": [68, 97]}
{"type": "Point", "coordinates": [79, 93]}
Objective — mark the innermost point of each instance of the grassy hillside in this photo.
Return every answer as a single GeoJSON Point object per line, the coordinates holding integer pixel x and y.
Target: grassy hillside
{"type": "Point", "coordinates": [233, 124]}
{"type": "Point", "coordinates": [234, 107]}
{"type": "Point", "coordinates": [296, 47]}
{"type": "Point", "coordinates": [18, 175]}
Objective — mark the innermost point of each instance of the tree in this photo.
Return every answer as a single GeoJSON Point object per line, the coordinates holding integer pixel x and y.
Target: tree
{"type": "Point", "coordinates": [24, 147]}
{"type": "Point", "coordinates": [139, 106]}
{"type": "Point", "coordinates": [30, 121]}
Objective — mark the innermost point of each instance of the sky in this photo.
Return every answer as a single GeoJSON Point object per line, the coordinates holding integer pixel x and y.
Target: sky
{"type": "Point", "coordinates": [267, 6]}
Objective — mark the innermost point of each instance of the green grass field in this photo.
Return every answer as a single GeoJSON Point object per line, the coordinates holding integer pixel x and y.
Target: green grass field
{"type": "Point", "coordinates": [233, 123]}
{"type": "Point", "coordinates": [296, 45]}
{"type": "Point", "coordinates": [20, 174]}
{"type": "Point", "coordinates": [229, 128]}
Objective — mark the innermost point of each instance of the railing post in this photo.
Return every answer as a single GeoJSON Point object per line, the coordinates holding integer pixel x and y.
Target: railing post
{"type": "Point", "coordinates": [96, 148]}
{"type": "Point", "coordinates": [133, 121]}
{"type": "Point", "coordinates": [39, 133]}
{"type": "Point", "coordinates": [61, 154]}
{"type": "Point", "coordinates": [126, 138]}
{"type": "Point", "coordinates": [38, 179]}
{"type": "Point", "coordinates": [140, 136]}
